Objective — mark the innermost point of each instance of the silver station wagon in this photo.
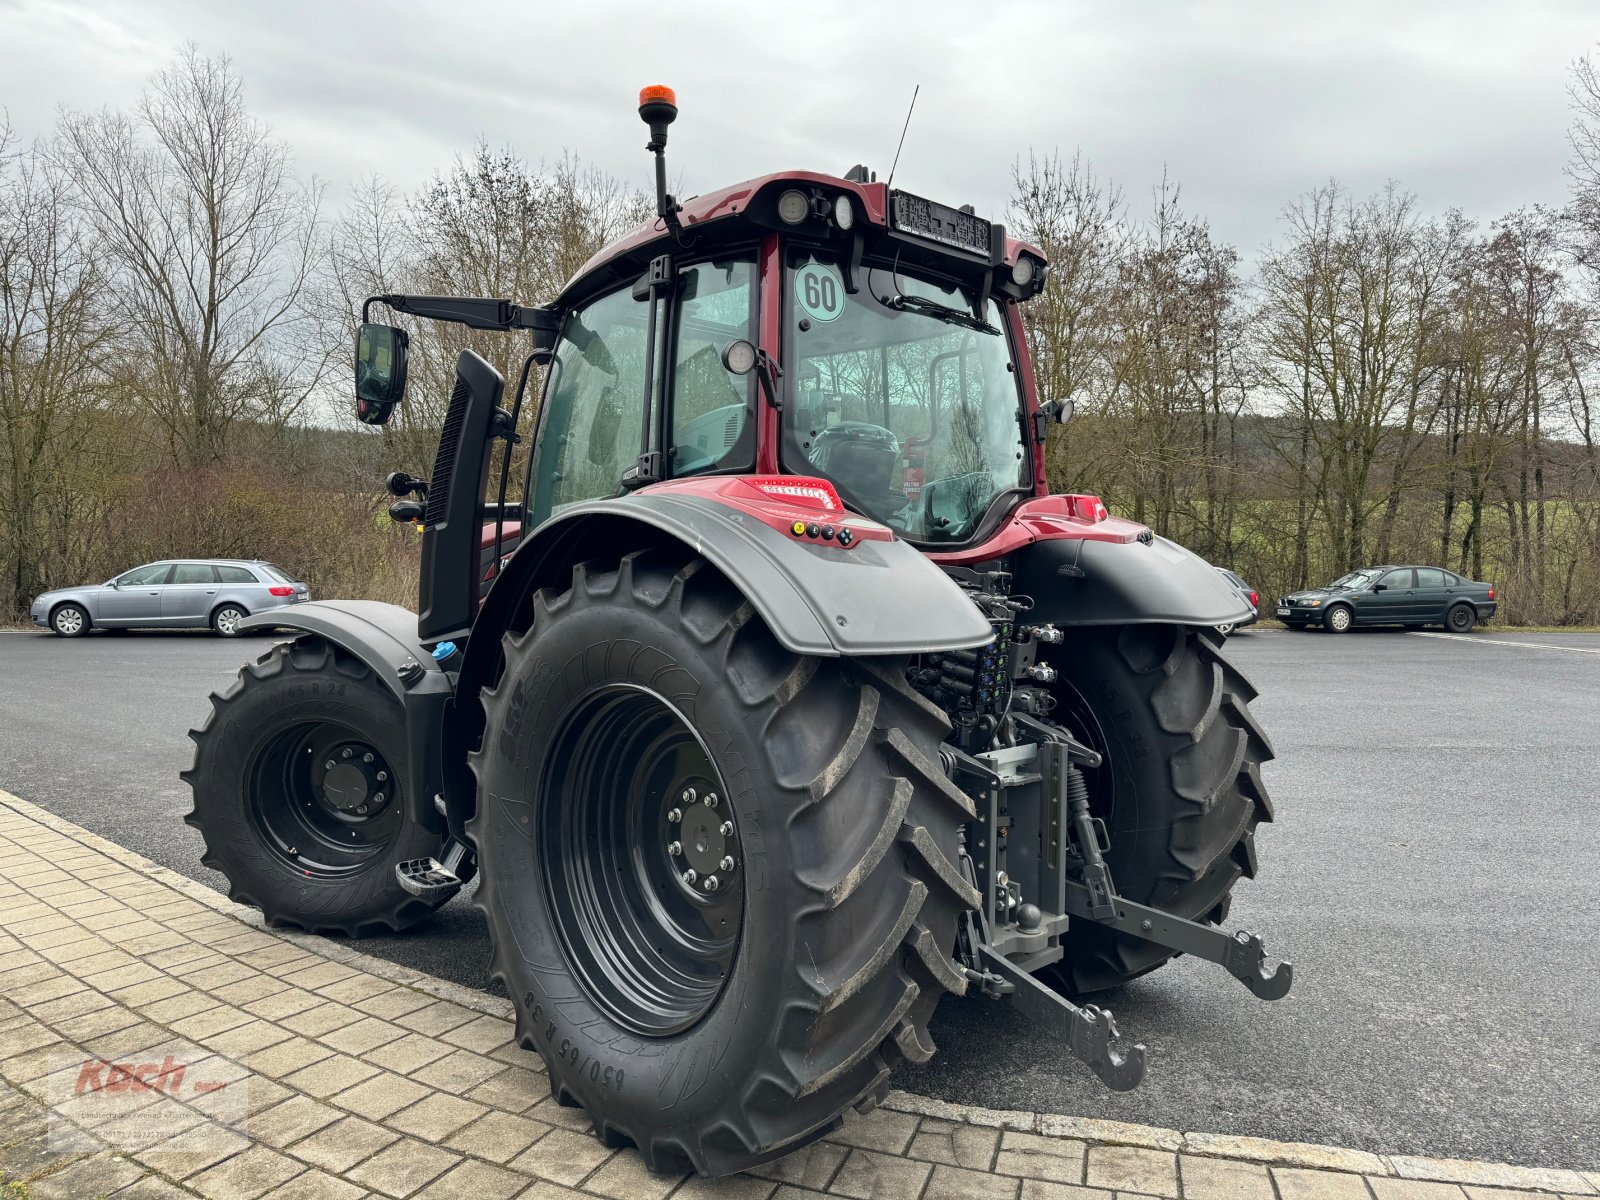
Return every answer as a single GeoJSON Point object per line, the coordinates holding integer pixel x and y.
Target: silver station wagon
{"type": "Point", "coordinates": [212, 593]}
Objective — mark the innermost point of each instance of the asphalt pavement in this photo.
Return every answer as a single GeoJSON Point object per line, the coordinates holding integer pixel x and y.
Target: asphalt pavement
{"type": "Point", "coordinates": [1431, 875]}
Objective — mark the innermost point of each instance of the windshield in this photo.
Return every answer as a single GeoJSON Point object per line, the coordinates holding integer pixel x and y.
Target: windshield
{"type": "Point", "coordinates": [902, 398]}
{"type": "Point", "coordinates": [1354, 581]}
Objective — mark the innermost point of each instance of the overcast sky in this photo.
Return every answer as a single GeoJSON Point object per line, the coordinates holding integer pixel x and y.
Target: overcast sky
{"type": "Point", "coordinates": [1247, 103]}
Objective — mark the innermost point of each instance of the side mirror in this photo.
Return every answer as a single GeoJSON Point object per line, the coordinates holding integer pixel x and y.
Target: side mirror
{"type": "Point", "coordinates": [380, 372]}
{"type": "Point", "coordinates": [1059, 411]}
{"type": "Point", "coordinates": [1380, 587]}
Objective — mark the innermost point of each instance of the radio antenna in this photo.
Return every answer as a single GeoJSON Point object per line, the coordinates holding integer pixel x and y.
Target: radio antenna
{"type": "Point", "coordinates": [903, 129]}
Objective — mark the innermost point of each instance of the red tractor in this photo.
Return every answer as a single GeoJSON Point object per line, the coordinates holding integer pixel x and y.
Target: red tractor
{"type": "Point", "coordinates": [797, 700]}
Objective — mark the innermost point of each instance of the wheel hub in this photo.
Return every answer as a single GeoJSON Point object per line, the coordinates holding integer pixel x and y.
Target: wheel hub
{"type": "Point", "coordinates": [354, 780]}
{"type": "Point", "coordinates": [701, 839]}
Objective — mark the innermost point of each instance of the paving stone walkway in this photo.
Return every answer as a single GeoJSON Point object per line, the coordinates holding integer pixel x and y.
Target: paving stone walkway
{"type": "Point", "coordinates": [155, 1041]}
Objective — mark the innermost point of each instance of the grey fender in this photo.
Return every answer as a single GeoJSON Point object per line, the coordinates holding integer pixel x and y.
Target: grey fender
{"type": "Point", "coordinates": [384, 637]}
{"type": "Point", "coordinates": [1079, 581]}
{"type": "Point", "coordinates": [873, 598]}
{"type": "Point", "coordinates": [877, 597]}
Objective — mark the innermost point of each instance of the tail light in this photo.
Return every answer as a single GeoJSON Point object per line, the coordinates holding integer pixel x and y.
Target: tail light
{"type": "Point", "coordinates": [1491, 593]}
{"type": "Point", "coordinates": [1087, 508]}
{"type": "Point", "coordinates": [804, 490]}
{"type": "Point", "coordinates": [281, 591]}
{"type": "Point", "coordinates": [1253, 600]}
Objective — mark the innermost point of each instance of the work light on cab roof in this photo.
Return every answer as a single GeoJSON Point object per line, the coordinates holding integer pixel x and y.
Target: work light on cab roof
{"type": "Point", "coordinates": [785, 696]}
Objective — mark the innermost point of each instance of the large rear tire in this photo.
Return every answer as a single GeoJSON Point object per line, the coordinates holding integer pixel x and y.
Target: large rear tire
{"type": "Point", "coordinates": [711, 1031]}
{"type": "Point", "coordinates": [1180, 791]}
{"type": "Point", "coordinates": [300, 794]}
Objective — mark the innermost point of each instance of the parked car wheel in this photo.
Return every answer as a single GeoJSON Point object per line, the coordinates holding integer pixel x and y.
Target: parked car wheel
{"type": "Point", "coordinates": [1461, 619]}
{"type": "Point", "coordinates": [1337, 619]}
{"type": "Point", "coordinates": [226, 620]}
{"type": "Point", "coordinates": [70, 620]}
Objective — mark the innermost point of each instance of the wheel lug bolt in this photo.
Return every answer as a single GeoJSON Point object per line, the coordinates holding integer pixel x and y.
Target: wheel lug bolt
{"type": "Point", "coordinates": [328, 766]}
{"type": "Point", "coordinates": [688, 796]}
{"type": "Point", "coordinates": [366, 758]}
{"type": "Point", "coordinates": [690, 875]}
{"type": "Point", "coordinates": [674, 848]}
{"type": "Point", "coordinates": [347, 753]}
{"type": "Point", "coordinates": [383, 776]}
{"type": "Point", "coordinates": [378, 799]}
{"type": "Point", "coordinates": [711, 883]}
{"type": "Point", "coordinates": [727, 829]}
{"type": "Point", "coordinates": [727, 863]}
{"type": "Point", "coordinates": [361, 808]}
{"type": "Point", "coordinates": [675, 815]}
{"type": "Point", "coordinates": [711, 800]}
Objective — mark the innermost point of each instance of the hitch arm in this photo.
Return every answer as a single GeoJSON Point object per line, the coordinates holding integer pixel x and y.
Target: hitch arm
{"type": "Point", "coordinates": [1090, 1032]}
{"type": "Point", "coordinates": [1243, 955]}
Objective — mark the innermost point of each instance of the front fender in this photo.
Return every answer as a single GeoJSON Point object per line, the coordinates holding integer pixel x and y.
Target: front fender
{"type": "Point", "coordinates": [384, 637]}
{"type": "Point", "coordinates": [1083, 581]}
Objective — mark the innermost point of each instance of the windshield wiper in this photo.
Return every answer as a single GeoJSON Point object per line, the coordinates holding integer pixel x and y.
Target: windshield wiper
{"type": "Point", "coordinates": [942, 312]}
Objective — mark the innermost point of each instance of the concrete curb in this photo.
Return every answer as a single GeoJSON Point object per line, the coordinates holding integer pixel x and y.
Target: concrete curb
{"type": "Point", "coordinates": [1563, 1181]}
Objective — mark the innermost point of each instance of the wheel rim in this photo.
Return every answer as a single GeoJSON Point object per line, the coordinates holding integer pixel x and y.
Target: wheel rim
{"type": "Point", "coordinates": [228, 621]}
{"type": "Point", "coordinates": [324, 800]}
{"type": "Point", "coordinates": [69, 621]}
{"type": "Point", "coordinates": [636, 827]}
{"type": "Point", "coordinates": [1225, 629]}
{"type": "Point", "coordinates": [1339, 619]}
{"type": "Point", "coordinates": [1458, 619]}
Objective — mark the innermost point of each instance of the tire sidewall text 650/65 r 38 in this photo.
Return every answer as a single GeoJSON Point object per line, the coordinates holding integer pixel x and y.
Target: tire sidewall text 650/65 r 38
{"type": "Point", "coordinates": [842, 832]}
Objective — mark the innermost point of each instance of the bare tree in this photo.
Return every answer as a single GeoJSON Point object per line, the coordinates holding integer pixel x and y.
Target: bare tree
{"type": "Point", "coordinates": [52, 340]}
{"type": "Point", "coordinates": [210, 244]}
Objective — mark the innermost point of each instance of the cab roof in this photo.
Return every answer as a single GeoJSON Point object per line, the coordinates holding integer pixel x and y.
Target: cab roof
{"type": "Point", "coordinates": [727, 204]}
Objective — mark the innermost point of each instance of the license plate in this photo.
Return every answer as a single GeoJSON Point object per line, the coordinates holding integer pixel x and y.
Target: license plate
{"type": "Point", "coordinates": [1283, 611]}
{"type": "Point", "coordinates": [939, 223]}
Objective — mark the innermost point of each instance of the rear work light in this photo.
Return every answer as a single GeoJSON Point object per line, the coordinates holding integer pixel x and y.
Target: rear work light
{"type": "Point", "coordinates": [804, 490]}
{"type": "Point", "coordinates": [281, 591]}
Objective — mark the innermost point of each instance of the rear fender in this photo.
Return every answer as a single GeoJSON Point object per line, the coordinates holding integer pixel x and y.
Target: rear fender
{"type": "Point", "coordinates": [878, 596]}
{"type": "Point", "coordinates": [1088, 581]}
{"type": "Point", "coordinates": [384, 637]}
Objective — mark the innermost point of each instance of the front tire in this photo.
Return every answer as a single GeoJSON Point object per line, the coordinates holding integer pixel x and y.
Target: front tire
{"type": "Point", "coordinates": [1338, 619]}
{"type": "Point", "coordinates": [300, 794]}
{"type": "Point", "coordinates": [710, 1034]}
{"type": "Point", "coordinates": [1180, 790]}
{"type": "Point", "coordinates": [70, 620]}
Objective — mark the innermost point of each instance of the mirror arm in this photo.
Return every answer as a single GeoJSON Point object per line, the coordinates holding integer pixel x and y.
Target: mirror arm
{"type": "Point", "coordinates": [499, 315]}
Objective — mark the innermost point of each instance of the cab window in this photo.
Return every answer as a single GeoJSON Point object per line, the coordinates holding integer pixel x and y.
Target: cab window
{"type": "Point", "coordinates": [593, 406]}
{"type": "Point", "coordinates": [712, 428]}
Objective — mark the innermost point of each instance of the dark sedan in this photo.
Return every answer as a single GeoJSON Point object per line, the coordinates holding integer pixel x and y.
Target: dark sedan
{"type": "Point", "coordinates": [1390, 595]}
